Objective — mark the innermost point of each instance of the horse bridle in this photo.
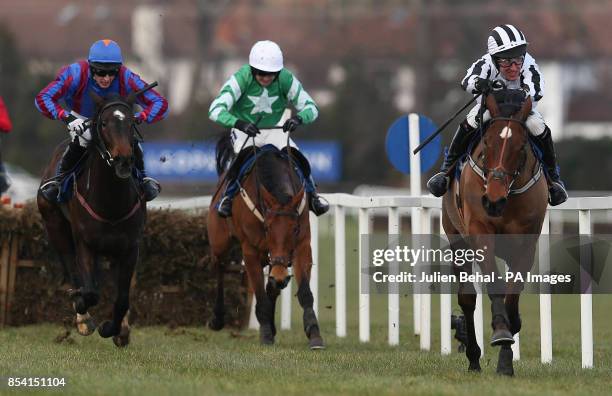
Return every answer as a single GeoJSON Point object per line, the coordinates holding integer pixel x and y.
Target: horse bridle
{"type": "Point", "coordinates": [499, 172]}
{"type": "Point", "coordinates": [98, 141]}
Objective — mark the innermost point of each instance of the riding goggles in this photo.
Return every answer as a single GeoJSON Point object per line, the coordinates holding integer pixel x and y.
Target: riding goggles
{"type": "Point", "coordinates": [263, 73]}
{"type": "Point", "coordinates": [104, 73]}
{"type": "Point", "coordinates": [507, 62]}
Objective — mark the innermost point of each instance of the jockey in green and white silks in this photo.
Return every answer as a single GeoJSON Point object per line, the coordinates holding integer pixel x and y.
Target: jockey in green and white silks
{"type": "Point", "coordinates": [251, 102]}
{"type": "Point", "coordinates": [506, 60]}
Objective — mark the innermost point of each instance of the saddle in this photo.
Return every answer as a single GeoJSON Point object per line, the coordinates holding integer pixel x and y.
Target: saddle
{"type": "Point", "coordinates": [248, 161]}
{"type": "Point", "coordinates": [68, 180]}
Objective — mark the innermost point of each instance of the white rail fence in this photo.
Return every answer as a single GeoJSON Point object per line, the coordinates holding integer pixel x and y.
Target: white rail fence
{"type": "Point", "coordinates": [422, 211]}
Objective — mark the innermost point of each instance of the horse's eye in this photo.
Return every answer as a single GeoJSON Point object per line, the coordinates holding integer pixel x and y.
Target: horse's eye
{"type": "Point", "coordinates": [104, 124]}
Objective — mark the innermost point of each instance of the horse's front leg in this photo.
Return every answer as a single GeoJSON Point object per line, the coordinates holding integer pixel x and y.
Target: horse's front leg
{"type": "Point", "coordinates": [218, 320]}
{"type": "Point", "coordinates": [496, 290]}
{"type": "Point", "coordinates": [118, 327]}
{"type": "Point", "coordinates": [302, 267]}
{"type": "Point", "coordinates": [87, 294]}
{"type": "Point", "coordinates": [264, 309]}
{"type": "Point", "coordinates": [467, 300]}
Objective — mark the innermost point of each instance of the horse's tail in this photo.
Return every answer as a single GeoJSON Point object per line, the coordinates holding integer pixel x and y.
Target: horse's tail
{"type": "Point", "coordinates": [224, 152]}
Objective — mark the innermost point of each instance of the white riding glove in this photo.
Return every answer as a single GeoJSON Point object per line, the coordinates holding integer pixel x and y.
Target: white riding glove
{"type": "Point", "coordinates": [78, 128]}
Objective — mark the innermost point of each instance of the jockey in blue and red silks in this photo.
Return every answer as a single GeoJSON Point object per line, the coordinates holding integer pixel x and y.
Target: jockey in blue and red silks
{"type": "Point", "coordinates": [103, 73]}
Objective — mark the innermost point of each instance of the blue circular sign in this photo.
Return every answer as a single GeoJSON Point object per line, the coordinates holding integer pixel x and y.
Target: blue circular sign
{"type": "Point", "coordinates": [397, 144]}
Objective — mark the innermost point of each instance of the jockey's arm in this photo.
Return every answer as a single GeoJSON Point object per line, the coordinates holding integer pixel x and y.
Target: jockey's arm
{"type": "Point", "coordinates": [479, 69]}
{"type": "Point", "coordinates": [154, 105]}
{"type": "Point", "coordinates": [219, 110]}
{"type": "Point", "coordinates": [533, 79]}
{"type": "Point", "coordinates": [47, 100]}
{"type": "Point", "coordinates": [5, 121]}
{"type": "Point", "coordinates": [301, 100]}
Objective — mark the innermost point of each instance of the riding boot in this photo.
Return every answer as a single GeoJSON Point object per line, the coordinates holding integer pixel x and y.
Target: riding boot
{"type": "Point", "coordinates": [224, 207]}
{"type": "Point", "coordinates": [5, 181]}
{"type": "Point", "coordinates": [316, 203]}
{"type": "Point", "coordinates": [73, 153]}
{"type": "Point", "coordinates": [557, 194]}
{"type": "Point", "coordinates": [150, 186]}
{"type": "Point", "coordinates": [438, 184]}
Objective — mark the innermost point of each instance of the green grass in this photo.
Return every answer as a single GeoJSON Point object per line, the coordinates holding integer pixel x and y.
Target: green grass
{"type": "Point", "coordinates": [198, 361]}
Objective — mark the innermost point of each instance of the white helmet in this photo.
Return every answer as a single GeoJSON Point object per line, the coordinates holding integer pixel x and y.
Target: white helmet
{"type": "Point", "coordinates": [266, 56]}
{"type": "Point", "coordinates": [506, 41]}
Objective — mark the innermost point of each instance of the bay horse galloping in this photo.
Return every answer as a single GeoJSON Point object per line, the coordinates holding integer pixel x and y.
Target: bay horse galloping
{"type": "Point", "coordinates": [501, 190]}
{"type": "Point", "coordinates": [270, 221]}
{"type": "Point", "coordinates": [105, 215]}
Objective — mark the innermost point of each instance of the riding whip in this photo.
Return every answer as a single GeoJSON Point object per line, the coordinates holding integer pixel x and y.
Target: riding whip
{"type": "Point", "coordinates": [433, 135]}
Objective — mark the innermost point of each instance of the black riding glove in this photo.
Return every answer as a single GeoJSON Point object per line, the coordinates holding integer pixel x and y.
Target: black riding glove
{"type": "Point", "coordinates": [292, 123]}
{"type": "Point", "coordinates": [483, 85]}
{"type": "Point", "coordinates": [247, 127]}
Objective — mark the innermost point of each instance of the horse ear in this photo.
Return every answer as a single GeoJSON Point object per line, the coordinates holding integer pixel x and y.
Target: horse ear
{"type": "Point", "coordinates": [492, 106]}
{"type": "Point", "coordinates": [97, 99]}
{"type": "Point", "coordinates": [525, 109]}
{"type": "Point", "coordinates": [268, 198]}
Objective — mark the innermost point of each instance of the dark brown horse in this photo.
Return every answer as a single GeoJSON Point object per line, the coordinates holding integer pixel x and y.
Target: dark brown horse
{"type": "Point", "coordinates": [501, 191]}
{"type": "Point", "coordinates": [270, 220]}
{"type": "Point", "coordinates": [104, 217]}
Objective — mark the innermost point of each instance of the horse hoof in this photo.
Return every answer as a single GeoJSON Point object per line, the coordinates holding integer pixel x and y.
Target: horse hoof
{"type": "Point", "coordinates": [85, 325]}
{"type": "Point", "coordinates": [502, 337]}
{"type": "Point", "coordinates": [106, 329]}
{"type": "Point", "coordinates": [266, 335]}
{"type": "Point", "coordinates": [316, 343]}
{"type": "Point", "coordinates": [123, 339]}
{"type": "Point", "coordinates": [474, 367]}
{"type": "Point", "coordinates": [504, 362]}
{"type": "Point", "coordinates": [216, 324]}
{"type": "Point", "coordinates": [507, 371]}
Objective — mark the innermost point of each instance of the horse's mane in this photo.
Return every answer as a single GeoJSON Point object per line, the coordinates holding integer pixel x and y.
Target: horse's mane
{"type": "Point", "coordinates": [273, 169]}
{"type": "Point", "coordinates": [274, 174]}
{"type": "Point", "coordinates": [509, 101]}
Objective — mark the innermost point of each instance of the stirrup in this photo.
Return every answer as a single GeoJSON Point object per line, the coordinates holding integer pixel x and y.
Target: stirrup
{"type": "Point", "coordinates": [438, 184]}
{"type": "Point", "coordinates": [318, 205]}
{"type": "Point", "coordinates": [50, 190]}
{"type": "Point", "coordinates": [557, 194]}
{"type": "Point", "coordinates": [151, 188]}
{"type": "Point", "coordinates": [224, 209]}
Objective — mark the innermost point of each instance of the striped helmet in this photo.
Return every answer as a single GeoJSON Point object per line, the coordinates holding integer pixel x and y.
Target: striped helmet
{"type": "Point", "coordinates": [506, 41]}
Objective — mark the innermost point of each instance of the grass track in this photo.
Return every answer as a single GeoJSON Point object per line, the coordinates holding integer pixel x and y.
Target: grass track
{"type": "Point", "coordinates": [196, 361]}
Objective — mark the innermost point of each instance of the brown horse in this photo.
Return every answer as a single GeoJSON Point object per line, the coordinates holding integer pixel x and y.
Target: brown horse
{"type": "Point", "coordinates": [500, 191]}
{"type": "Point", "coordinates": [104, 217]}
{"type": "Point", "coordinates": [270, 221]}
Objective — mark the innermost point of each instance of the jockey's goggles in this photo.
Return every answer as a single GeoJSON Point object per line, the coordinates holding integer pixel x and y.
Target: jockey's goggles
{"type": "Point", "coordinates": [507, 62]}
{"type": "Point", "coordinates": [264, 73]}
{"type": "Point", "coordinates": [103, 72]}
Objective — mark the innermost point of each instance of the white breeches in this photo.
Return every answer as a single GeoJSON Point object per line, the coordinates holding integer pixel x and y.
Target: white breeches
{"type": "Point", "coordinates": [275, 137]}
{"type": "Point", "coordinates": [535, 121]}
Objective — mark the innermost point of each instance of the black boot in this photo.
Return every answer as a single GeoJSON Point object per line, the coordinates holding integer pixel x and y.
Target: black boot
{"type": "Point", "coordinates": [557, 194]}
{"type": "Point", "coordinates": [150, 186]}
{"type": "Point", "coordinates": [438, 184]}
{"type": "Point", "coordinates": [317, 205]}
{"type": "Point", "coordinates": [73, 153]}
{"type": "Point", "coordinates": [224, 207]}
